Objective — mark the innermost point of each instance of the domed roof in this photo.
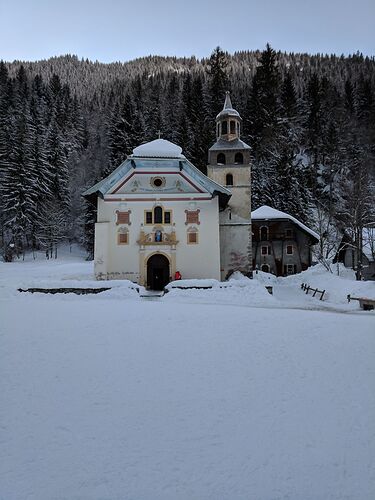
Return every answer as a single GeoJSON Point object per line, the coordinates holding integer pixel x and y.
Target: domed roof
{"type": "Point", "coordinates": [228, 109]}
{"type": "Point", "coordinates": [159, 148]}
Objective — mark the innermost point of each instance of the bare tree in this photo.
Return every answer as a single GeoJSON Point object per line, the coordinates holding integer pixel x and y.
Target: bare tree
{"type": "Point", "coordinates": [358, 210]}
{"type": "Point", "coordinates": [52, 228]}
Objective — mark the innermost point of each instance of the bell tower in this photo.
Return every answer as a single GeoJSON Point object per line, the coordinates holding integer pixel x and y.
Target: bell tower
{"type": "Point", "coordinates": [229, 165]}
{"type": "Point", "coordinates": [229, 159]}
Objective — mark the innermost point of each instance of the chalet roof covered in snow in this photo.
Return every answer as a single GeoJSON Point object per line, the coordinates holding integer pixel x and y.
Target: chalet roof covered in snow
{"type": "Point", "coordinates": [228, 109]}
{"type": "Point", "coordinates": [159, 148]}
{"type": "Point", "coordinates": [148, 156]}
{"type": "Point", "coordinates": [268, 213]}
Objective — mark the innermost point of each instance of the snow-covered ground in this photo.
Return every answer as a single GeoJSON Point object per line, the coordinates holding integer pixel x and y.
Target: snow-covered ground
{"type": "Point", "coordinates": [227, 393]}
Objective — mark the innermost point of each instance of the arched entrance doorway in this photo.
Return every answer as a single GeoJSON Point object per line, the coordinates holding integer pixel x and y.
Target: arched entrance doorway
{"type": "Point", "coordinates": [157, 272]}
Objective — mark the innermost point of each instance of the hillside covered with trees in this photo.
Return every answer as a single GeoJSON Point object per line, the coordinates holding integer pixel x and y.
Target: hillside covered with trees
{"type": "Point", "coordinates": [65, 123]}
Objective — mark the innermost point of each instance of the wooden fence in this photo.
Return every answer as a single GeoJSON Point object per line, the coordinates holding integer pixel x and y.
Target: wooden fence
{"type": "Point", "coordinates": [307, 288]}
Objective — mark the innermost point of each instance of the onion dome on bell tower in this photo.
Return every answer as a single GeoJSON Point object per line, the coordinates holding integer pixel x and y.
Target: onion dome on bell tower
{"type": "Point", "coordinates": [228, 121]}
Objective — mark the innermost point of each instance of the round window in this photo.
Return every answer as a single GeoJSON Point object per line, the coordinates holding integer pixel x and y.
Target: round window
{"type": "Point", "coordinates": [157, 182]}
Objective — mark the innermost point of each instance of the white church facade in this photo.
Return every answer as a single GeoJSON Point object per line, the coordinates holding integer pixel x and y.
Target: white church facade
{"type": "Point", "coordinates": [158, 214]}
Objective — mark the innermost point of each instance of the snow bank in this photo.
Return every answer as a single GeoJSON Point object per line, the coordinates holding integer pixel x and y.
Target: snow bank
{"type": "Point", "coordinates": [239, 290]}
{"type": "Point", "coordinates": [69, 271]}
{"type": "Point", "coordinates": [337, 287]}
{"type": "Point", "coordinates": [198, 283]}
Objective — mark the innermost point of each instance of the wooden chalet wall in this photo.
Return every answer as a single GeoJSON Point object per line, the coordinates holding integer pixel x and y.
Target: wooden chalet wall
{"type": "Point", "coordinates": [280, 238]}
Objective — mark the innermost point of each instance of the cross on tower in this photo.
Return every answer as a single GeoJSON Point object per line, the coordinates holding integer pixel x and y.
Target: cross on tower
{"type": "Point", "coordinates": [159, 134]}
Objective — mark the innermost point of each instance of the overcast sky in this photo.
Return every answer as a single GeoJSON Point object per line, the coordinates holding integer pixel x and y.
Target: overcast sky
{"type": "Point", "coordinates": [121, 30]}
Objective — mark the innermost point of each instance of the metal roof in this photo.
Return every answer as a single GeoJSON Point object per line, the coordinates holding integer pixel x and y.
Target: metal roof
{"type": "Point", "coordinates": [222, 145]}
{"type": "Point", "coordinates": [228, 109]}
{"type": "Point", "coordinates": [104, 186]}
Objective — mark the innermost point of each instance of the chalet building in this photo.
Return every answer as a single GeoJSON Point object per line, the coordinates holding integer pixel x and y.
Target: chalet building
{"type": "Point", "coordinates": [158, 214]}
{"type": "Point", "coordinates": [281, 243]}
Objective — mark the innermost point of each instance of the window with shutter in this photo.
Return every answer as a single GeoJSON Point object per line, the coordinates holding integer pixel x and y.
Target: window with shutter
{"type": "Point", "coordinates": [167, 217]}
{"type": "Point", "coordinates": [148, 217]}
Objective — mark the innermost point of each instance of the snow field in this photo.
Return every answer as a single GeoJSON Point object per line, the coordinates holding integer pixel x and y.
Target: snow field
{"type": "Point", "coordinates": [111, 397]}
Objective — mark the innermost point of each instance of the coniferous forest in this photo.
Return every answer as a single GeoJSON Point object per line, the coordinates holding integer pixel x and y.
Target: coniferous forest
{"type": "Point", "coordinates": [65, 123]}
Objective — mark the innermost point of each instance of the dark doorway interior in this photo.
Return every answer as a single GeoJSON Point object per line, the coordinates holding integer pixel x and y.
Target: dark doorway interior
{"type": "Point", "coordinates": [157, 272]}
{"type": "Point", "coordinates": [279, 267]}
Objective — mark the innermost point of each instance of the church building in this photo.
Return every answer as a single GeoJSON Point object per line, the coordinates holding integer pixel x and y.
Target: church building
{"type": "Point", "coordinates": [158, 214]}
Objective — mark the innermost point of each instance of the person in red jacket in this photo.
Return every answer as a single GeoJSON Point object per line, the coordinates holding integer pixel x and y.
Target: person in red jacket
{"type": "Point", "coordinates": [177, 275]}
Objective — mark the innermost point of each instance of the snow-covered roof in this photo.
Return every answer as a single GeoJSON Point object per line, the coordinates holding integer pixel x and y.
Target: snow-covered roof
{"type": "Point", "coordinates": [268, 213]}
{"type": "Point", "coordinates": [228, 109]}
{"type": "Point", "coordinates": [179, 163]}
{"type": "Point", "coordinates": [223, 145]}
{"type": "Point", "coordinates": [159, 148]}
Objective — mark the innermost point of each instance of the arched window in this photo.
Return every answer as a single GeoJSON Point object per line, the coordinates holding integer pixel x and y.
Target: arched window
{"type": "Point", "coordinates": [221, 158]}
{"type": "Point", "coordinates": [238, 158]}
{"type": "Point", "coordinates": [229, 180]}
{"type": "Point", "coordinates": [264, 233]}
{"type": "Point", "coordinates": [158, 215]}
{"type": "Point", "coordinates": [224, 128]}
{"type": "Point", "coordinates": [265, 268]}
{"type": "Point", "coordinates": [232, 127]}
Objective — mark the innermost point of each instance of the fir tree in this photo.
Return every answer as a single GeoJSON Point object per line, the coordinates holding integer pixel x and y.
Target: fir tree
{"type": "Point", "coordinates": [263, 106]}
{"type": "Point", "coordinates": [218, 79]}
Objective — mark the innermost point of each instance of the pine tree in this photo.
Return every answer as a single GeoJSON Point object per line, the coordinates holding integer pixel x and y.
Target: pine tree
{"type": "Point", "coordinates": [125, 132]}
{"type": "Point", "coordinates": [264, 105]}
{"type": "Point", "coordinates": [19, 183]}
{"type": "Point", "coordinates": [218, 80]}
{"type": "Point", "coordinates": [314, 129]}
{"type": "Point", "coordinates": [201, 127]}
{"type": "Point", "coordinates": [317, 105]}
{"type": "Point", "coordinates": [88, 233]}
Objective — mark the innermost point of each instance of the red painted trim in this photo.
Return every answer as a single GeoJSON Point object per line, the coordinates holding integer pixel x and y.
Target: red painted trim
{"type": "Point", "coordinates": [190, 198]}
{"type": "Point", "coordinates": [190, 182]}
{"type": "Point", "coordinates": [143, 172]}
{"type": "Point", "coordinates": [122, 183]}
